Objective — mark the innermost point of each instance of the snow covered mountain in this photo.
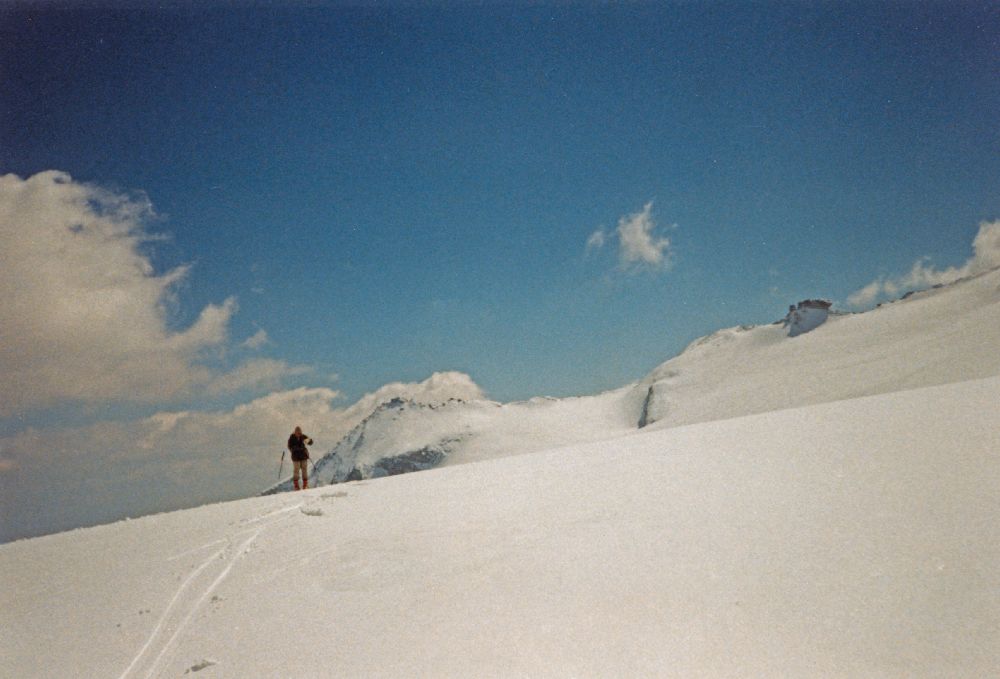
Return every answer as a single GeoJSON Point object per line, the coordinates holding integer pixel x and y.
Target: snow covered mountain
{"type": "Point", "coordinates": [933, 337]}
{"type": "Point", "coordinates": [402, 435]}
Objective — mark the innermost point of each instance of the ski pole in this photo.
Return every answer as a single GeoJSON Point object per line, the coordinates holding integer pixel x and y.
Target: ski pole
{"type": "Point", "coordinates": [315, 480]}
{"type": "Point", "coordinates": [280, 466]}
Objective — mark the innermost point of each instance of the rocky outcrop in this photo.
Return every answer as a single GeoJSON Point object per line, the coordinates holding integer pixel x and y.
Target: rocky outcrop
{"type": "Point", "coordinates": [645, 417]}
{"type": "Point", "coordinates": [404, 463]}
{"type": "Point", "coordinates": [427, 457]}
{"type": "Point", "coordinates": [806, 316]}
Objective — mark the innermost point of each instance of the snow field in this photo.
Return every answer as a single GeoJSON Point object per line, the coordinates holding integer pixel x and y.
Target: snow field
{"type": "Point", "coordinates": [850, 539]}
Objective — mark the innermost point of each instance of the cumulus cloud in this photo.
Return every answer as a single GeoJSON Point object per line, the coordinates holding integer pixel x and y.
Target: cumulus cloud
{"type": "Point", "coordinates": [866, 295]}
{"type": "Point", "coordinates": [258, 373]}
{"type": "Point", "coordinates": [257, 340]}
{"type": "Point", "coordinates": [922, 275]}
{"type": "Point", "coordinates": [639, 246]}
{"type": "Point", "coordinates": [180, 459]}
{"type": "Point", "coordinates": [596, 240]}
{"type": "Point", "coordinates": [83, 314]}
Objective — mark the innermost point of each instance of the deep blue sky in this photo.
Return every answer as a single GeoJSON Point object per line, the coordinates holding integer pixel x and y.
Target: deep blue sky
{"type": "Point", "coordinates": [392, 191]}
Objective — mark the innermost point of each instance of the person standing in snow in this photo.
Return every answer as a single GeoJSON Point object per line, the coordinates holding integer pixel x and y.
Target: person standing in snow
{"type": "Point", "coordinates": [300, 457]}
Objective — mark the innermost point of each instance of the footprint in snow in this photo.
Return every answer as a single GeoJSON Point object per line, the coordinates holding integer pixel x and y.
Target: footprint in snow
{"type": "Point", "coordinates": [198, 667]}
{"type": "Point", "coordinates": [312, 511]}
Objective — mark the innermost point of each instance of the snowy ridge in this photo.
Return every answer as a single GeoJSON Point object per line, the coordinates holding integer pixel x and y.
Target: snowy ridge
{"type": "Point", "coordinates": [928, 338]}
{"type": "Point", "coordinates": [401, 435]}
{"type": "Point", "coordinates": [947, 334]}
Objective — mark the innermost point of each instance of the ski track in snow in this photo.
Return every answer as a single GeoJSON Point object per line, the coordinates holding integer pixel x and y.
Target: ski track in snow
{"type": "Point", "coordinates": [201, 599]}
{"type": "Point", "coordinates": [246, 522]}
{"type": "Point", "coordinates": [188, 599]}
{"type": "Point", "coordinates": [194, 550]}
{"type": "Point", "coordinates": [283, 510]}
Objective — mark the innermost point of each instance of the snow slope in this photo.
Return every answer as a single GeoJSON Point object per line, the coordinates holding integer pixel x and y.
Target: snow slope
{"type": "Point", "coordinates": [938, 336]}
{"type": "Point", "coordinates": [855, 538]}
{"type": "Point", "coordinates": [948, 334]}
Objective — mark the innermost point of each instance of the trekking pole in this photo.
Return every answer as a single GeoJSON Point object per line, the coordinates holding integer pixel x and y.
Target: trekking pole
{"type": "Point", "coordinates": [280, 466]}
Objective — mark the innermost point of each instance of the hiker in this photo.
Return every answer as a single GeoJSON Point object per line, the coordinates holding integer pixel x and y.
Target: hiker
{"type": "Point", "coordinates": [300, 457]}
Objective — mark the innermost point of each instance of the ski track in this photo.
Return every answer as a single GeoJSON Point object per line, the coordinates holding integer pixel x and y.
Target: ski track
{"type": "Point", "coordinates": [167, 613]}
{"type": "Point", "coordinates": [188, 599]}
{"type": "Point", "coordinates": [195, 550]}
{"type": "Point", "coordinates": [245, 522]}
{"type": "Point", "coordinates": [168, 646]}
{"type": "Point", "coordinates": [276, 512]}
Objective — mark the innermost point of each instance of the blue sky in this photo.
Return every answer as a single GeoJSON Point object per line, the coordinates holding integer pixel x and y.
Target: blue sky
{"type": "Point", "coordinates": [390, 191]}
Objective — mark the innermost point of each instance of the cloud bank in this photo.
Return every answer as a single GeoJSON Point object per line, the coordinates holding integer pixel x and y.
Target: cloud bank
{"type": "Point", "coordinates": [171, 460]}
{"type": "Point", "coordinates": [639, 246]}
{"type": "Point", "coordinates": [923, 275]}
{"type": "Point", "coordinates": [83, 315]}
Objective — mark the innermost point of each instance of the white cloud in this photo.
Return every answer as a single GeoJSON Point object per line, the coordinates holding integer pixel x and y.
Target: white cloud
{"type": "Point", "coordinates": [866, 295]}
{"type": "Point", "coordinates": [596, 240]}
{"type": "Point", "coordinates": [179, 459]}
{"type": "Point", "coordinates": [639, 246]}
{"type": "Point", "coordinates": [83, 315]}
{"type": "Point", "coordinates": [257, 340]}
{"type": "Point", "coordinates": [923, 275]}
{"type": "Point", "coordinates": [258, 373]}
